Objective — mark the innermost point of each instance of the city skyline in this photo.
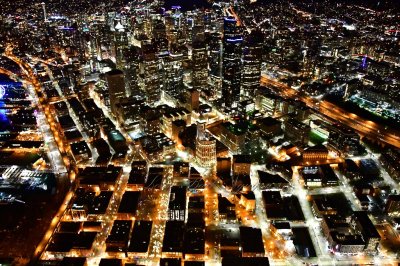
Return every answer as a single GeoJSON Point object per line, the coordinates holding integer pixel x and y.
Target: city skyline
{"type": "Point", "coordinates": [190, 133]}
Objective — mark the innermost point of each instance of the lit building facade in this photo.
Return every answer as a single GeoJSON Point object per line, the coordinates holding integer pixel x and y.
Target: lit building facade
{"type": "Point", "coordinates": [251, 69]}
{"type": "Point", "coordinates": [199, 61]}
{"type": "Point", "coordinates": [206, 148]}
{"type": "Point", "coordinates": [120, 42]}
{"type": "Point", "coordinates": [116, 87]}
{"type": "Point", "coordinates": [150, 82]}
{"type": "Point", "coordinates": [231, 67]}
{"type": "Point", "coordinates": [215, 62]}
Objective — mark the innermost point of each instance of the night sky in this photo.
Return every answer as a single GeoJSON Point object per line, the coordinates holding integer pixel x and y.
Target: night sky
{"type": "Point", "coordinates": [79, 5]}
{"type": "Point", "coordinates": [186, 5]}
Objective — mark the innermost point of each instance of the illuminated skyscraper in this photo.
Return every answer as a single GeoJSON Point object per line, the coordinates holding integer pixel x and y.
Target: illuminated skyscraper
{"type": "Point", "coordinates": [215, 62]}
{"type": "Point", "coordinates": [131, 69]}
{"type": "Point", "coordinates": [150, 74]}
{"type": "Point", "coordinates": [251, 69]}
{"type": "Point", "coordinates": [199, 53]}
{"type": "Point", "coordinates": [160, 38]}
{"type": "Point", "coordinates": [198, 27]}
{"type": "Point", "coordinates": [176, 26]}
{"type": "Point", "coordinates": [116, 87]}
{"type": "Point", "coordinates": [120, 42]}
{"type": "Point", "coordinates": [231, 66]}
{"type": "Point", "coordinates": [173, 73]}
{"type": "Point", "coordinates": [199, 63]}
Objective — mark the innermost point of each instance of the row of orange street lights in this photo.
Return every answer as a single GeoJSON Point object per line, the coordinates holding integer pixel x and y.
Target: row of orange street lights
{"type": "Point", "coordinates": [334, 112]}
{"type": "Point", "coordinates": [158, 216]}
{"type": "Point", "coordinates": [31, 78]}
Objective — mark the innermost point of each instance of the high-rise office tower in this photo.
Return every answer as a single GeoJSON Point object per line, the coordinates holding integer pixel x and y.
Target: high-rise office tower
{"type": "Point", "coordinates": [120, 42]}
{"type": "Point", "coordinates": [215, 62]}
{"type": "Point", "coordinates": [104, 41]}
{"type": "Point", "coordinates": [176, 27]}
{"type": "Point", "coordinates": [173, 73]}
{"type": "Point", "coordinates": [192, 99]}
{"type": "Point", "coordinates": [231, 65]}
{"type": "Point", "coordinates": [198, 27]}
{"type": "Point", "coordinates": [147, 26]}
{"type": "Point", "coordinates": [160, 38]}
{"type": "Point", "coordinates": [251, 60]}
{"type": "Point", "coordinates": [149, 69]}
{"type": "Point", "coordinates": [131, 70]}
{"type": "Point", "coordinates": [199, 66]}
{"type": "Point", "coordinates": [199, 54]}
{"type": "Point", "coordinates": [116, 87]}
{"type": "Point", "coordinates": [94, 47]}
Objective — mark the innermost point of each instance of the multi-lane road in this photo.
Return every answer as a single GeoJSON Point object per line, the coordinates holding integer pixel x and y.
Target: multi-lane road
{"type": "Point", "coordinates": [53, 141]}
{"type": "Point", "coordinates": [362, 126]}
